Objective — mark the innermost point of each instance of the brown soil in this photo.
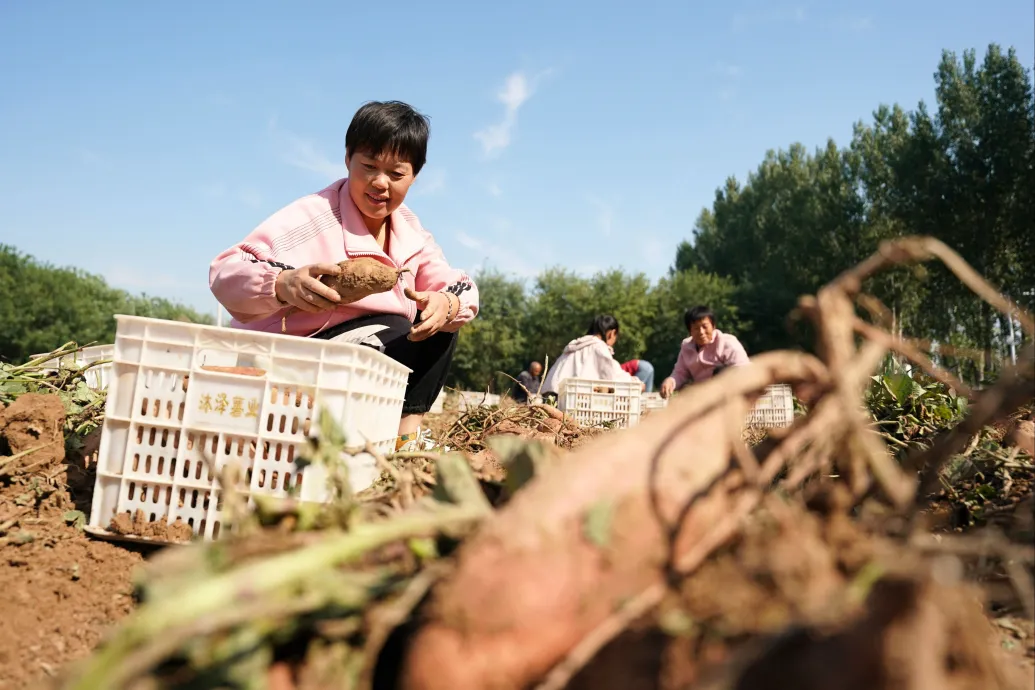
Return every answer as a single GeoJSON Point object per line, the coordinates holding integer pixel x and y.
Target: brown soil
{"type": "Point", "coordinates": [34, 425]}
{"type": "Point", "coordinates": [787, 605]}
{"type": "Point", "coordinates": [139, 526]}
{"type": "Point", "coordinates": [62, 590]}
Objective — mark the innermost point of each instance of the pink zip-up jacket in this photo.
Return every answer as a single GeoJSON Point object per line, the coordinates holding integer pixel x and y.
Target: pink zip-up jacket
{"type": "Point", "coordinates": [699, 364]}
{"type": "Point", "coordinates": [326, 227]}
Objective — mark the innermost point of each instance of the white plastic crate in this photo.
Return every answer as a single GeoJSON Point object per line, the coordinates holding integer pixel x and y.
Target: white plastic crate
{"type": "Point", "coordinates": [173, 413]}
{"type": "Point", "coordinates": [774, 408]}
{"type": "Point", "coordinates": [97, 377]}
{"type": "Point", "coordinates": [439, 406]}
{"type": "Point", "coordinates": [470, 400]}
{"type": "Point", "coordinates": [652, 401]}
{"type": "Point", "coordinates": [595, 403]}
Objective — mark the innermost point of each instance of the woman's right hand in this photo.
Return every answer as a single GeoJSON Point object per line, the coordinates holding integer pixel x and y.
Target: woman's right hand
{"type": "Point", "coordinates": [302, 289]}
{"type": "Point", "coordinates": [668, 387]}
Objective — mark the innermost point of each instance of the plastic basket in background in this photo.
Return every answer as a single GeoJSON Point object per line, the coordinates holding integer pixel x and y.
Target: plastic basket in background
{"type": "Point", "coordinates": [184, 400]}
{"type": "Point", "coordinates": [652, 401]}
{"type": "Point", "coordinates": [471, 400]}
{"type": "Point", "coordinates": [96, 377]}
{"type": "Point", "coordinates": [600, 403]}
{"type": "Point", "coordinates": [774, 408]}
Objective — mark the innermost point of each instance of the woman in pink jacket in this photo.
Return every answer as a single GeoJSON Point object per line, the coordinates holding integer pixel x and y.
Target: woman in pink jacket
{"type": "Point", "coordinates": [705, 353]}
{"type": "Point", "coordinates": [275, 271]}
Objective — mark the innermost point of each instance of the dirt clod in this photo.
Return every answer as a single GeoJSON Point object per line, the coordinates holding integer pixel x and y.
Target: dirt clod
{"type": "Point", "coordinates": [34, 425]}
{"type": "Point", "coordinates": [139, 526]}
{"type": "Point", "coordinates": [62, 591]}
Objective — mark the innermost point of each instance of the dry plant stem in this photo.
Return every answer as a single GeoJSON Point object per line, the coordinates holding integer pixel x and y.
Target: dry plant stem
{"type": "Point", "coordinates": [989, 543]}
{"type": "Point", "coordinates": [381, 461]}
{"type": "Point", "coordinates": [252, 580]}
{"type": "Point", "coordinates": [917, 249]}
{"type": "Point", "coordinates": [974, 546]}
{"type": "Point", "coordinates": [913, 354]}
{"type": "Point", "coordinates": [561, 674]}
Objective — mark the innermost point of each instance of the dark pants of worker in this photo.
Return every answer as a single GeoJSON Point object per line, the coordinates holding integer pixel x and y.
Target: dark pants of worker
{"type": "Point", "coordinates": [429, 359]}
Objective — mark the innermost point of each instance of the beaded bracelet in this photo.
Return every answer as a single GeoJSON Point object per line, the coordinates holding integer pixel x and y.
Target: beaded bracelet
{"type": "Point", "coordinates": [449, 307]}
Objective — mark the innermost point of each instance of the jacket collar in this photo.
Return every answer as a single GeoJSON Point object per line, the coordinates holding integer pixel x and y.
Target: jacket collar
{"type": "Point", "coordinates": [404, 243]}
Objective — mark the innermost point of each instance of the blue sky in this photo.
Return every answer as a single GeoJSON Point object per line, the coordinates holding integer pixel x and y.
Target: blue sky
{"type": "Point", "coordinates": [139, 139]}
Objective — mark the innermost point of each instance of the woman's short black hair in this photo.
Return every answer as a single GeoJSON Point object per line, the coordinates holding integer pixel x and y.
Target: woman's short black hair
{"type": "Point", "coordinates": [391, 127]}
{"type": "Point", "coordinates": [602, 324]}
{"type": "Point", "coordinates": [696, 314]}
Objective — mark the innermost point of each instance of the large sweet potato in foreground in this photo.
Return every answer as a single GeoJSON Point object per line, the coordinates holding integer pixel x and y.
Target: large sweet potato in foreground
{"type": "Point", "coordinates": [585, 537]}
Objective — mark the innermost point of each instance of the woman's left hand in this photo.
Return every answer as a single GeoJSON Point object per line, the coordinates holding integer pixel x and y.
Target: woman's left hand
{"type": "Point", "coordinates": [434, 307]}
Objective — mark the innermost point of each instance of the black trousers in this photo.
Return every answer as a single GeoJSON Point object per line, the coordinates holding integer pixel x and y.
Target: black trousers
{"type": "Point", "coordinates": [429, 360]}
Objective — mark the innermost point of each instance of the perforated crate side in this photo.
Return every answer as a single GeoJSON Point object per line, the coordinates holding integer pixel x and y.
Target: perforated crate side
{"type": "Point", "coordinates": [774, 408]}
{"type": "Point", "coordinates": [652, 401]}
{"type": "Point", "coordinates": [176, 416]}
{"type": "Point", "coordinates": [593, 402]}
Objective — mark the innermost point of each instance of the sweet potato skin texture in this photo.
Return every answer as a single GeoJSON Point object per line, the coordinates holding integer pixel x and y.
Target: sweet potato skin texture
{"type": "Point", "coordinates": [559, 585]}
{"type": "Point", "coordinates": [361, 277]}
{"type": "Point", "coordinates": [540, 575]}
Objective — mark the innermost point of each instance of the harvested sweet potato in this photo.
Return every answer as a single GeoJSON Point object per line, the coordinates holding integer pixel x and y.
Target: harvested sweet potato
{"type": "Point", "coordinates": [359, 278]}
{"type": "Point", "coordinates": [571, 547]}
{"type": "Point", "coordinates": [362, 277]}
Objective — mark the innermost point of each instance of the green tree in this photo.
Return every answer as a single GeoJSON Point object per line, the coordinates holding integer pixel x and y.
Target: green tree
{"type": "Point", "coordinates": [495, 340]}
{"type": "Point", "coordinates": [964, 173]}
{"type": "Point", "coordinates": [43, 307]}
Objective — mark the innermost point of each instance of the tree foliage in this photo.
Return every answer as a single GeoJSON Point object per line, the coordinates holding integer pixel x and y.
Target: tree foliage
{"type": "Point", "coordinates": [43, 307]}
{"type": "Point", "coordinates": [964, 173]}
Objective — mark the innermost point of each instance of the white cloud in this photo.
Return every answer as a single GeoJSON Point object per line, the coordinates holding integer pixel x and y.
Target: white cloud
{"type": "Point", "coordinates": [429, 181]}
{"type": "Point", "coordinates": [494, 190]}
{"type": "Point", "coordinates": [516, 90]}
{"type": "Point", "coordinates": [305, 154]}
{"type": "Point", "coordinates": [466, 240]}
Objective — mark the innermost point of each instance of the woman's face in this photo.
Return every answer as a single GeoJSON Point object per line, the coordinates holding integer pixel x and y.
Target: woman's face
{"type": "Point", "coordinates": [612, 337]}
{"type": "Point", "coordinates": [378, 185]}
{"type": "Point", "coordinates": [702, 331]}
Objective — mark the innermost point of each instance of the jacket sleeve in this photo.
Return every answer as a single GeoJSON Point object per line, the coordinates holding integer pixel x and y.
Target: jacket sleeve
{"type": "Point", "coordinates": [608, 368]}
{"type": "Point", "coordinates": [242, 279]}
{"type": "Point", "coordinates": [434, 274]}
{"type": "Point", "coordinates": [736, 355]}
{"type": "Point", "coordinates": [681, 372]}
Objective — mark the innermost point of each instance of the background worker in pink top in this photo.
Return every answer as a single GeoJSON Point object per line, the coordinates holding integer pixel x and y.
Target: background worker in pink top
{"type": "Point", "coordinates": [705, 353]}
{"type": "Point", "coordinates": [278, 266]}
